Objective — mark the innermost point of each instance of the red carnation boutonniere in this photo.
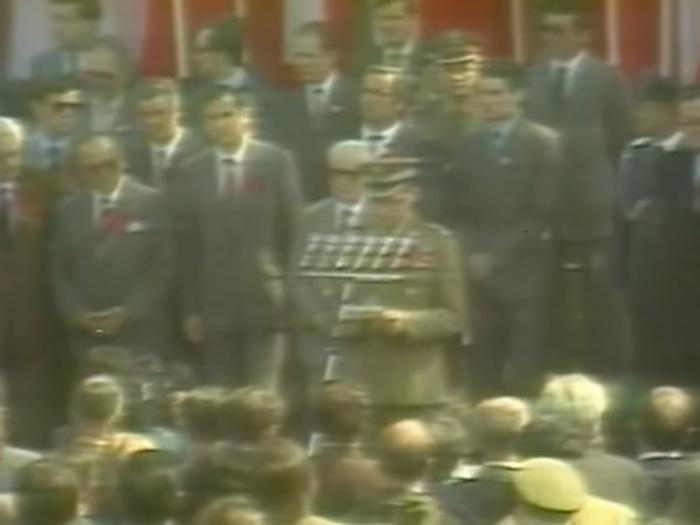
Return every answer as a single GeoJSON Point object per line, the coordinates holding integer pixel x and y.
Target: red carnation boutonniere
{"type": "Point", "coordinates": [253, 185]}
{"type": "Point", "coordinates": [28, 210]}
{"type": "Point", "coordinates": [113, 223]}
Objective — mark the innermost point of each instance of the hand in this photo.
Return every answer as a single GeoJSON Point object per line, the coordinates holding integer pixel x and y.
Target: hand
{"type": "Point", "coordinates": [393, 322]}
{"type": "Point", "coordinates": [481, 266]}
{"type": "Point", "coordinates": [114, 321]}
{"type": "Point", "coordinates": [193, 330]}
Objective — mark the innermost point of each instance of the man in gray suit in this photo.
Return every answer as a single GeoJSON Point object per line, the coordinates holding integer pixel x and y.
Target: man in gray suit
{"type": "Point", "coordinates": [75, 25]}
{"type": "Point", "coordinates": [321, 111]}
{"type": "Point", "coordinates": [111, 256]}
{"type": "Point", "coordinates": [585, 100]}
{"type": "Point", "coordinates": [56, 110]}
{"type": "Point", "coordinates": [502, 193]}
{"type": "Point", "coordinates": [238, 210]}
{"type": "Point", "coordinates": [160, 141]}
{"type": "Point", "coordinates": [106, 72]}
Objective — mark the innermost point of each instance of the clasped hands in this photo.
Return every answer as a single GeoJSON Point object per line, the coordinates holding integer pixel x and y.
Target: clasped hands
{"type": "Point", "coordinates": [106, 323]}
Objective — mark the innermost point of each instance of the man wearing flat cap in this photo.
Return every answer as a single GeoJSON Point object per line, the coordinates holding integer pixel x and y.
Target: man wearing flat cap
{"type": "Point", "coordinates": [550, 492]}
{"type": "Point", "coordinates": [405, 302]}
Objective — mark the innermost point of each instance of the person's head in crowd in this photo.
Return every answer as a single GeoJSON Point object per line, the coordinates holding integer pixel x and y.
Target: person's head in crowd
{"type": "Point", "coordinates": [11, 143]}
{"type": "Point", "coordinates": [218, 51]}
{"type": "Point", "coordinates": [226, 115]}
{"type": "Point", "coordinates": [449, 443]}
{"type": "Point", "coordinates": [75, 24]}
{"type": "Point", "coordinates": [218, 470]}
{"type": "Point", "coordinates": [405, 452]}
{"type": "Point", "coordinates": [251, 414]}
{"type": "Point", "coordinates": [666, 421]}
{"type": "Point", "coordinates": [340, 411]}
{"type": "Point", "coordinates": [100, 163]}
{"type": "Point", "coordinates": [345, 161]}
{"type": "Point", "coordinates": [97, 404]}
{"type": "Point", "coordinates": [381, 104]}
{"type": "Point", "coordinates": [548, 492]}
{"type": "Point", "coordinates": [391, 191]}
{"type": "Point", "coordinates": [231, 511]}
{"type": "Point", "coordinates": [105, 70]}
{"type": "Point", "coordinates": [500, 91]}
{"type": "Point", "coordinates": [689, 116]}
{"type": "Point", "coordinates": [198, 413]}
{"type": "Point", "coordinates": [656, 114]}
{"type": "Point", "coordinates": [56, 106]}
{"type": "Point", "coordinates": [394, 22]}
{"type": "Point", "coordinates": [567, 418]}
{"type": "Point", "coordinates": [460, 57]}
{"type": "Point", "coordinates": [284, 484]}
{"type": "Point", "coordinates": [48, 492]}
{"type": "Point", "coordinates": [496, 426]}
{"type": "Point", "coordinates": [159, 107]}
{"type": "Point", "coordinates": [565, 31]}
{"type": "Point", "coordinates": [147, 489]}
{"type": "Point", "coordinates": [314, 53]}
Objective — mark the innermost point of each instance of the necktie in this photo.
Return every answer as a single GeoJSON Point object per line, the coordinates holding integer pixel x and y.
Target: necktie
{"type": "Point", "coordinates": [54, 155]}
{"type": "Point", "coordinates": [559, 81]}
{"type": "Point", "coordinates": [316, 101]}
{"type": "Point", "coordinates": [229, 170]}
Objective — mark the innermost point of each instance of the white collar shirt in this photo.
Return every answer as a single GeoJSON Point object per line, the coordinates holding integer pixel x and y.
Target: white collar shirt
{"type": "Point", "coordinates": [378, 141]}
{"type": "Point", "coordinates": [231, 166]}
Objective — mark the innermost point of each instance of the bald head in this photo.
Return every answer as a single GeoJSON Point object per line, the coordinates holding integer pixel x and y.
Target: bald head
{"type": "Point", "coordinates": [667, 418]}
{"type": "Point", "coordinates": [497, 425]}
{"type": "Point", "coordinates": [345, 160]}
{"type": "Point", "coordinates": [11, 137]}
{"type": "Point", "coordinates": [406, 450]}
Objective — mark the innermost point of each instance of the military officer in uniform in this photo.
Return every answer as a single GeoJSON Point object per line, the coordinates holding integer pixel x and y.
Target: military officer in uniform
{"type": "Point", "coordinates": [404, 302]}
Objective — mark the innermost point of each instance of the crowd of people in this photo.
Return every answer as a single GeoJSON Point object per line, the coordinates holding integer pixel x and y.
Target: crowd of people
{"type": "Point", "coordinates": [344, 261]}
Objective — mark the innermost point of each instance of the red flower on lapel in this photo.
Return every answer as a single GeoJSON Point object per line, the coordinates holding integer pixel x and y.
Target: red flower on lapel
{"type": "Point", "coordinates": [113, 222]}
{"type": "Point", "coordinates": [252, 185]}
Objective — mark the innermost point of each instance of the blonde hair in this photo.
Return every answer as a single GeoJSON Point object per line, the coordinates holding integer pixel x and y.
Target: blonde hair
{"type": "Point", "coordinates": [575, 392]}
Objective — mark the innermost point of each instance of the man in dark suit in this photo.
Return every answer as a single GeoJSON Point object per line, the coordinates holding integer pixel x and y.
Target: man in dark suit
{"type": "Point", "coordinates": [239, 215]}
{"type": "Point", "coordinates": [323, 110]}
{"type": "Point", "coordinates": [56, 110]}
{"type": "Point", "coordinates": [75, 25]}
{"type": "Point", "coordinates": [502, 192]}
{"type": "Point", "coordinates": [27, 343]}
{"type": "Point", "coordinates": [160, 141]}
{"type": "Point", "coordinates": [586, 101]}
{"type": "Point", "coordinates": [639, 247]}
{"type": "Point", "coordinates": [106, 73]}
{"type": "Point", "coordinates": [218, 60]}
{"type": "Point", "coordinates": [111, 257]}
{"type": "Point", "coordinates": [675, 181]}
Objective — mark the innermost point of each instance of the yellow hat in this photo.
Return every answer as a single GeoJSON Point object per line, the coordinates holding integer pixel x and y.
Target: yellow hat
{"type": "Point", "coordinates": [550, 485]}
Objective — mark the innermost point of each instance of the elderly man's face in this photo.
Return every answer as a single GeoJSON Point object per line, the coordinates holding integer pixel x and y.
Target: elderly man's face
{"type": "Point", "coordinates": [10, 154]}
{"type": "Point", "coordinates": [100, 165]}
{"type": "Point", "coordinates": [345, 175]}
{"type": "Point", "coordinates": [379, 100]}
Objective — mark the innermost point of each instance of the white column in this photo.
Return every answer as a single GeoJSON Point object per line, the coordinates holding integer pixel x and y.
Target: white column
{"type": "Point", "coordinates": [181, 37]}
{"type": "Point", "coordinates": [518, 21]}
{"type": "Point", "coordinates": [667, 40]}
{"type": "Point", "coordinates": [613, 28]}
{"type": "Point", "coordinates": [688, 38]}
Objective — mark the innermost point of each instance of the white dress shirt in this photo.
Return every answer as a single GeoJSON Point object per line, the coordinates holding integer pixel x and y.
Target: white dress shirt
{"type": "Point", "coordinates": [571, 66]}
{"type": "Point", "coordinates": [378, 141]}
{"type": "Point", "coordinates": [317, 95]}
{"type": "Point", "coordinates": [231, 165]}
{"type": "Point", "coordinates": [162, 154]}
{"type": "Point", "coordinates": [102, 202]}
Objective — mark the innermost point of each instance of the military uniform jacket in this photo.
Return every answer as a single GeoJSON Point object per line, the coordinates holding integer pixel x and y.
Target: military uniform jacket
{"type": "Point", "coordinates": [408, 369]}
